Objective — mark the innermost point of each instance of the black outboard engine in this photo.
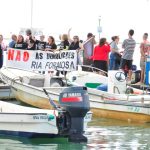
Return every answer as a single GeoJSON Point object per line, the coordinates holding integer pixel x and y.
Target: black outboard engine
{"type": "Point", "coordinates": [75, 102]}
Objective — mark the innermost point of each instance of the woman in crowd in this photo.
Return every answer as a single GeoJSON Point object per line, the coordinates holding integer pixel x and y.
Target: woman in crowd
{"type": "Point", "coordinates": [13, 41]}
{"type": "Point", "coordinates": [100, 55]}
{"type": "Point", "coordinates": [41, 44]}
{"type": "Point", "coordinates": [50, 45]}
{"type": "Point", "coordinates": [74, 43]}
{"type": "Point", "coordinates": [2, 48]}
{"type": "Point", "coordinates": [115, 56]}
{"type": "Point", "coordinates": [20, 44]}
{"type": "Point", "coordinates": [64, 44]}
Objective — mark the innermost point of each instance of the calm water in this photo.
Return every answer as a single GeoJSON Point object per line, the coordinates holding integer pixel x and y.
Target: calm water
{"type": "Point", "coordinates": [104, 134]}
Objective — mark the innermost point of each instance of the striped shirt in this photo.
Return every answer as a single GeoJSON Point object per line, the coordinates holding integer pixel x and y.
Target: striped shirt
{"type": "Point", "coordinates": [129, 46]}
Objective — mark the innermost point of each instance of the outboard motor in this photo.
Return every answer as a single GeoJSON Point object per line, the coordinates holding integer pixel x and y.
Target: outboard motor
{"type": "Point", "coordinates": [75, 103]}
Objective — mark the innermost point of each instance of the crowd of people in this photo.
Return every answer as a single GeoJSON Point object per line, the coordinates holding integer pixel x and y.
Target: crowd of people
{"type": "Point", "coordinates": [31, 43]}
{"type": "Point", "coordinates": [107, 56]}
{"type": "Point", "coordinates": [104, 56]}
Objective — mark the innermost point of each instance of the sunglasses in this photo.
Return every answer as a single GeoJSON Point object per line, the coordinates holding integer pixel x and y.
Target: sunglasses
{"type": "Point", "coordinates": [75, 38]}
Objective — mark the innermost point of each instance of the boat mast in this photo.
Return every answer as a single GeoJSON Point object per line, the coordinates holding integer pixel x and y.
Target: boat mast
{"type": "Point", "coordinates": [99, 26]}
{"type": "Point", "coordinates": [31, 14]}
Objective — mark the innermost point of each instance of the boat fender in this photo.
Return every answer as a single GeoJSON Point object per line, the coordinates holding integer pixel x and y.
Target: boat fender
{"type": "Point", "coordinates": [50, 117]}
{"type": "Point", "coordinates": [137, 92]}
{"type": "Point", "coordinates": [102, 87]}
{"type": "Point", "coordinates": [129, 91]}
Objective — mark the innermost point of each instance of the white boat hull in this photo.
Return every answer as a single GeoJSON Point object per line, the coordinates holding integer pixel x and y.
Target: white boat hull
{"type": "Point", "coordinates": [103, 104]}
{"type": "Point", "coordinates": [30, 122]}
{"type": "Point", "coordinates": [26, 121]}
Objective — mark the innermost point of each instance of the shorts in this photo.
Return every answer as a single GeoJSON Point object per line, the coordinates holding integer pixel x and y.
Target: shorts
{"type": "Point", "coordinates": [126, 64]}
{"type": "Point", "coordinates": [142, 64]}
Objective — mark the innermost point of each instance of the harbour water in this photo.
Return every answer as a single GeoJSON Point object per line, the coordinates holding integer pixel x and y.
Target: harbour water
{"type": "Point", "coordinates": [104, 134]}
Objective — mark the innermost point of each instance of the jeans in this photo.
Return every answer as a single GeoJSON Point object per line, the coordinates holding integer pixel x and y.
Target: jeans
{"type": "Point", "coordinates": [113, 65]}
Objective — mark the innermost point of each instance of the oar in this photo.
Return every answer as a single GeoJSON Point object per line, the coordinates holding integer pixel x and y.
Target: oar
{"type": "Point", "coordinates": [50, 100]}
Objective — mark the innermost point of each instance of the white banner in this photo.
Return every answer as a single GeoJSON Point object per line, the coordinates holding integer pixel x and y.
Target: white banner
{"type": "Point", "coordinates": [41, 60]}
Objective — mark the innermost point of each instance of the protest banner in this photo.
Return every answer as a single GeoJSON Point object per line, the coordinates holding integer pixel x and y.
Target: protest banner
{"type": "Point", "coordinates": [88, 47]}
{"type": "Point", "coordinates": [41, 60]}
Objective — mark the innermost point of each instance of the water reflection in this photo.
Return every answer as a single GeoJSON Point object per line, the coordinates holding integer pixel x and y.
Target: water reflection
{"type": "Point", "coordinates": [9, 143]}
{"type": "Point", "coordinates": [102, 134]}
{"type": "Point", "coordinates": [113, 134]}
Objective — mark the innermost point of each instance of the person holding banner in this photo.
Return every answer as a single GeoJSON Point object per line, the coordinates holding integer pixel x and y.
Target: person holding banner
{"type": "Point", "coordinates": [31, 44]}
{"type": "Point", "coordinates": [64, 44]}
{"type": "Point", "coordinates": [41, 44]}
{"type": "Point", "coordinates": [50, 45]}
{"type": "Point", "coordinates": [20, 43]}
{"type": "Point", "coordinates": [30, 40]}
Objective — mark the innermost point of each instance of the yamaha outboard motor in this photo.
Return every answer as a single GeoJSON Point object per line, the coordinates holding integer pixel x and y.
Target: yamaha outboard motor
{"type": "Point", "coordinates": [75, 102]}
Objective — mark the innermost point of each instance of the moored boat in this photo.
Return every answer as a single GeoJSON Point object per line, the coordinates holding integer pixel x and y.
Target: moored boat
{"type": "Point", "coordinates": [28, 87]}
{"type": "Point", "coordinates": [111, 97]}
{"type": "Point", "coordinates": [69, 120]}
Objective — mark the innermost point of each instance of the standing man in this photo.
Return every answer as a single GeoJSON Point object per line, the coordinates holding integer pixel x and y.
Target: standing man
{"type": "Point", "coordinates": [31, 41]}
{"type": "Point", "coordinates": [88, 47]}
{"type": "Point", "coordinates": [126, 61]}
{"type": "Point", "coordinates": [144, 50]}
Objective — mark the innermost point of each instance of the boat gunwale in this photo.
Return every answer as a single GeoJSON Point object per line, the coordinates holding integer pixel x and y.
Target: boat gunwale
{"type": "Point", "coordinates": [115, 102]}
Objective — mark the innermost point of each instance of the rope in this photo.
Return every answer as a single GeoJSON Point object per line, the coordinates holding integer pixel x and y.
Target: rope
{"type": "Point", "coordinates": [91, 67]}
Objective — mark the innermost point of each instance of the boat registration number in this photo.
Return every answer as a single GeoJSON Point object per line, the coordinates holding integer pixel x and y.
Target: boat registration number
{"type": "Point", "coordinates": [134, 109]}
{"type": "Point", "coordinates": [37, 117]}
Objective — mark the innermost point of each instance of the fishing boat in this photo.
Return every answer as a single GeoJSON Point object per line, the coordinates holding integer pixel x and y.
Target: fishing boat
{"type": "Point", "coordinates": [28, 88]}
{"type": "Point", "coordinates": [68, 120]}
{"type": "Point", "coordinates": [111, 97]}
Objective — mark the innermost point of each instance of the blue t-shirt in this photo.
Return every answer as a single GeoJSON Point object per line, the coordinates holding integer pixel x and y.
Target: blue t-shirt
{"type": "Point", "coordinates": [12, 43]}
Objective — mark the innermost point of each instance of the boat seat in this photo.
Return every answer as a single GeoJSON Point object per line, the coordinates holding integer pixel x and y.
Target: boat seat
{"type": "Point", "coordinates": [37, 81]}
